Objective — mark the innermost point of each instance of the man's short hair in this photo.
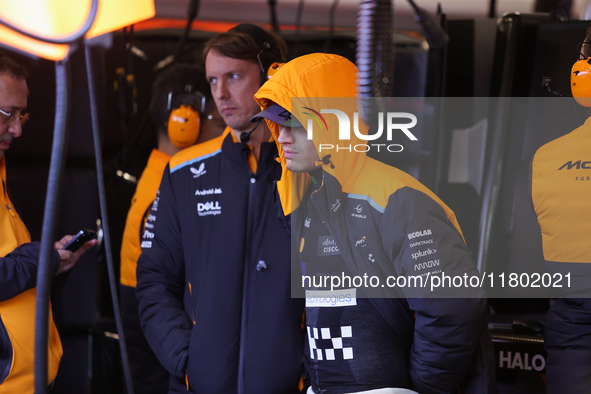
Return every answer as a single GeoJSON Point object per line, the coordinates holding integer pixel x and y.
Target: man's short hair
{"type": "Point", "coordinates": [241, 45]}
{"type": "Point", "coordinates": [12, 68]}
{"type": "Point", "coordinates": [174, 79]}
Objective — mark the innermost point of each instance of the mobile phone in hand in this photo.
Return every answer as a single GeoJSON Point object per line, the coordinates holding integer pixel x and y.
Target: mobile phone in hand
{"type": "Point", "coordinates": [79, 239]}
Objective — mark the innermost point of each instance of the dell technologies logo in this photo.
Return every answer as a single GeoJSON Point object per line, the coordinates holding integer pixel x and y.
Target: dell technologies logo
{"type": "Point", "coordinates": [209, 208]}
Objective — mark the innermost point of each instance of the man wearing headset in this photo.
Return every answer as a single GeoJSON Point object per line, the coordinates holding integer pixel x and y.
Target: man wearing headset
{"type": "Point", "coordinates": [183, 113]}
{"type": "Point", "coordinates": [19, 256]}
{"type": "Point", "coordinates": [214, 274]}
{"type": "Point", "coordinates": [561, 187]}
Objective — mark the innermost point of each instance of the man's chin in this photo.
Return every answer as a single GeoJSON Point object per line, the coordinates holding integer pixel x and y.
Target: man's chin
{"type": "Point", "coordinates": [237, 124]}
{"type": "Point", "coordinates": [288, 164]}
{"type": "Point", "coordinates": [230, 121]}
{"type": "Point", "coordinates": [294, 169]}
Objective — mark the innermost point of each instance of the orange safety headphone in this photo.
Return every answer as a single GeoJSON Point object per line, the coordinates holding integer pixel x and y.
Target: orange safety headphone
{"type": "Point", "coordinates": [580, 81]}
{"type": "Point", "coordinates": [184, 122]}
{"type": "Point", "coordinates": [272, 70]}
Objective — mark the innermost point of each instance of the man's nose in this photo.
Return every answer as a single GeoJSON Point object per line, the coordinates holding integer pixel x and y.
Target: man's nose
{"type": "Point", "coordinates": [284, 135]}
{"type": "Point", "coordinates": [222, 92]}
{"type": "Point", "coordinates": [16, 129]}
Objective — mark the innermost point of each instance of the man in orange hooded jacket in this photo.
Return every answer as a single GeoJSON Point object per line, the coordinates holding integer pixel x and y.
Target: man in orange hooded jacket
{"type": "Point", "coordinates": [354, 217]}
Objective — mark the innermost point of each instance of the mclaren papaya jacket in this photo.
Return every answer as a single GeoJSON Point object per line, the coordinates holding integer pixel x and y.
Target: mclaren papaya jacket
{"type": "Point", "coordinates": [140, 204]}
{"type": "Point", "coordinates": [214, 274]}
{"type": "Point", "coordinates": [146, 372]}
{"type": "Point", "coordinates": [18, 274]}
{"type": "Point", "coordinates": [561, 186]}
{"type": "Point", "coordinates": [385, 223]}
{"type": "Point", "coordinates": [561, 191]}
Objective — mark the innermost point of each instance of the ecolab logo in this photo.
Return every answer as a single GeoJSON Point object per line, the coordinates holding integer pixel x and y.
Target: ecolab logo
{"type": "Point", "coordinates": [345, 129]}
{"type": "Point", "coordinates": [585, 165]}
{"type": "Point", "coordinates": [417, 234]}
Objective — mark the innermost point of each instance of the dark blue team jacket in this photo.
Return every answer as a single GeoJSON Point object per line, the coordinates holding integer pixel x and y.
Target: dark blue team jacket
{"type": "Point", "coordinates": [214, 274]}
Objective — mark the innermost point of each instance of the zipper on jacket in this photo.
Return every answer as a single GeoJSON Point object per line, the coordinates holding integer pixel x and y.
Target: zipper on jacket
{"type": "Point", "coordinates": [247, 258]}
{"type": "Point", "coordinates": [5, 352]}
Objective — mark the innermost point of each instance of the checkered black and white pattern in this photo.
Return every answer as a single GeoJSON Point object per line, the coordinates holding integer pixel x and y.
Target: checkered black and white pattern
{"type": "Point", "coordinates": [325, 345]}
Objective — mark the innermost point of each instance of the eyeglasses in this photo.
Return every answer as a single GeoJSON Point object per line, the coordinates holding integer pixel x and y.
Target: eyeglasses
{"type": "Point", "coordinates": [14, 117]}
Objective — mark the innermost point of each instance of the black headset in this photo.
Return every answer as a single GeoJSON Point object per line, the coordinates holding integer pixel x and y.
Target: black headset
{"type": "Point", "coordinates": [266, 43]}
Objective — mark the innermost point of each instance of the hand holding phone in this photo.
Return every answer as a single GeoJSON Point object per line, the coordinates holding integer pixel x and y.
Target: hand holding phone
{"type": "Point", "coordinates": [79, 239]}
{"type": "Point", "coordinates": [70, 251]}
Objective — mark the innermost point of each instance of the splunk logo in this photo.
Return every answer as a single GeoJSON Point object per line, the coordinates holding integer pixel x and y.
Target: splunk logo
{"type": "Point", "coordinates": [392, 124]}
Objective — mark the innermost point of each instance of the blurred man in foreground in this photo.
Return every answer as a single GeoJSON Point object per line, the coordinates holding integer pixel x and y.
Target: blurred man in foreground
{"type": "Point", "coordinates": [19, 256]}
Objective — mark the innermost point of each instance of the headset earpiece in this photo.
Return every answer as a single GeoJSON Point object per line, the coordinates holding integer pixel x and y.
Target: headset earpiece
{"type": "Point", "coordinates": [184, 125]}
{"type": "Point", "coordinates": [266, 43]}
